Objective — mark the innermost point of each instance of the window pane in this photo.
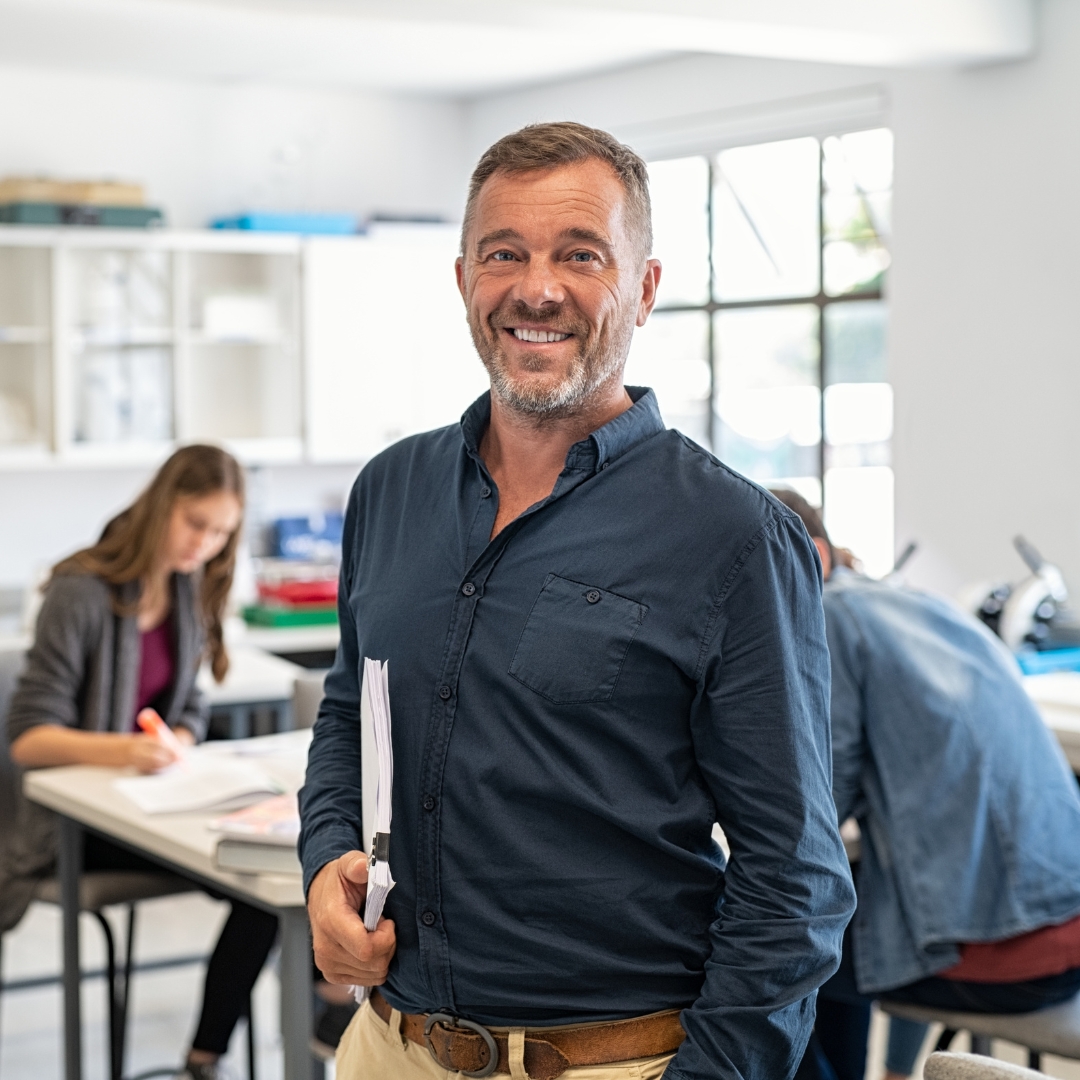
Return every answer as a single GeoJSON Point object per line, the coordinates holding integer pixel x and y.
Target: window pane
{"type": "Point", "coordinates": [855, 342]}
{"type": "Point", "coordinates": [859, 514]}
{"type": "Point", "coordinates": [857, 174]}
{"type": "Point", "coordinates": [858, 413]}
{"type": "Point", "coordinates": [670, 353]}
{"type": "Point", "coordinates": [765, 220]}
{"type": "Point", "coordinates": [680, 197]}
{"type": "Point", "coordinates": [858, 399]}
{"type": "Point", "coordinates": [768, 420]}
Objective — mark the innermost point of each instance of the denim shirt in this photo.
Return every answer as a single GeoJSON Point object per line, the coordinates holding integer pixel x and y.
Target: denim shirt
{"type": "Point", "coordinates": [969, 813]}
{"type": "Point", "coordinates": [574, 703]}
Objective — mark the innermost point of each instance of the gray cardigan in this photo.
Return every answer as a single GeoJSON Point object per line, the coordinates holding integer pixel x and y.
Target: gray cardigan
{"type": "Point", "coordinates": [83, 672]}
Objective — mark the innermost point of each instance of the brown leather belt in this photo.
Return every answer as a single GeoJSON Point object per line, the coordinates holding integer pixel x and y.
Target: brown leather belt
{"type": "Point", "coordinates": [462, 1046]}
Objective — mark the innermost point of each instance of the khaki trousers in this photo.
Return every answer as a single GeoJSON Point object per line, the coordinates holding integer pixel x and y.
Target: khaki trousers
{"type": "Point", "coordinates": [372, 1049]}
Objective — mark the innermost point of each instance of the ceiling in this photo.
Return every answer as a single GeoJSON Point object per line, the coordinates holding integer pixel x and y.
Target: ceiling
{"type": "Point", "coordinates": [471, 47]}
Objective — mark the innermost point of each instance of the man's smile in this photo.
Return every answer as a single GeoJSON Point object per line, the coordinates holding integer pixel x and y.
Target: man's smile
{"type": "Point", "coordinates": [539, 336]}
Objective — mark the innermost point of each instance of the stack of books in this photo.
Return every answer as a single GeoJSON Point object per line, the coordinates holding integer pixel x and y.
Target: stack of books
{"type": "Point", "coordinates": [294, 592]}
{"type": "Point", "coordinates": [42, 201]}
{"type": "Point", "coordinates": [261, 838]}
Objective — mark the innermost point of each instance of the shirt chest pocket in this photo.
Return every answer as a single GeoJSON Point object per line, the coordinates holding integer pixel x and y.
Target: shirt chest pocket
{"type": "Point", "coordinates": [575, 641]}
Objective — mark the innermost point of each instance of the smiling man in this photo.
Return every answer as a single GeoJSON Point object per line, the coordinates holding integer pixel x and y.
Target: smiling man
{"type": "Point", "coordinates": [601, 641]}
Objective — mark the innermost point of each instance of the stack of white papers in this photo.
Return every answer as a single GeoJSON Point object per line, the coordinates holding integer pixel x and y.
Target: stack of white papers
{"type": "Point", "coordinates": [377, 752]}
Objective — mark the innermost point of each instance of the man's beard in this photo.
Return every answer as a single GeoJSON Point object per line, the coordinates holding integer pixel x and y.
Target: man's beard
{"type": "Point", "coordinates": [596, 362]}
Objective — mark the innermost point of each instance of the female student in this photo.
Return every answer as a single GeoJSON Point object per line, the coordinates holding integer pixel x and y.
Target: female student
{"type": "Point", "coordinates": [124, 626]}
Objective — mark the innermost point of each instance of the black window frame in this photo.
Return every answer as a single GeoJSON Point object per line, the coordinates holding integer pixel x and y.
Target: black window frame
{"type": "Point", "coordinates": [820, 299]}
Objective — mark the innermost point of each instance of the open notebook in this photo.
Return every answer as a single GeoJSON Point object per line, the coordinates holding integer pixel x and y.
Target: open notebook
{"type": "Point", "coordinates": [378, 787]}
{"type": "Point", "coordinates": [199, 782]}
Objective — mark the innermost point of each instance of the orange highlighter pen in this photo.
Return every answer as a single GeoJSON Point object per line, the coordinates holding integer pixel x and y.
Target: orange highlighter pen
{"type": "Point", "coordinates": [154, 726]}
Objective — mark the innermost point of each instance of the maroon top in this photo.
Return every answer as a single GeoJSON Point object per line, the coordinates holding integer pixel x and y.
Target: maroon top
{"type": "Point", "coordinates": [157, 666]}
{"type": "Point", "coordinates": [1050, 950]}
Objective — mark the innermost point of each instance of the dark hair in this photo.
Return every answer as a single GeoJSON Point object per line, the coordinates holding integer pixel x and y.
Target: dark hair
{"type": "Point", "coordinates": [130, 542]}
{"type": "Point", "coordinates": [810, 517]}
{"type": "Point", "coordinates": [547, 146]}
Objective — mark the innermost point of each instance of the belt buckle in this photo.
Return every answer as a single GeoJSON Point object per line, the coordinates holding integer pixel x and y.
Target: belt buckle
{"type": "Point", "coordinates": [449, 1021]}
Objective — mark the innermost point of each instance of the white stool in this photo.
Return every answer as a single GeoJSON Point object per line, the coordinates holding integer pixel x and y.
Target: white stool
{"type": "Point", "coordinates": [972, 1067]}
{"type": "Point", "coordinates": [1055, 1030]}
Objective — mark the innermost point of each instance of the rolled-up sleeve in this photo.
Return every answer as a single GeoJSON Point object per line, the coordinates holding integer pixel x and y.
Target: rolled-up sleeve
{"type": "Point", "coordinates": [761, 734]}
{"type": "Point", "coordinates": [331, 811]}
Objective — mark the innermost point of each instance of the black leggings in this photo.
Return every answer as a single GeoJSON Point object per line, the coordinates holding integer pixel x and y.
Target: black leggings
{"type": "Point", "coordinates": [238, 957]}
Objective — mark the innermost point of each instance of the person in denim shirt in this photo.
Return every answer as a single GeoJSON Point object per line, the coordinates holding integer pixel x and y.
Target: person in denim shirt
{"type": "Point", "coordinates": [969, 876]}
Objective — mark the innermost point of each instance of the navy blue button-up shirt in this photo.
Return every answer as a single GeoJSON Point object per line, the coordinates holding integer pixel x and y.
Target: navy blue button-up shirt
{"type": "Point", "coordinates": [574, 704]}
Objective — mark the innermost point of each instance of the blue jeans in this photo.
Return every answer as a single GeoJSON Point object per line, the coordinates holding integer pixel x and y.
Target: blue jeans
{"type": "Point", "coordinates": [837, 1047]}
{"type": "Point", "coordinates": [905, 1041]}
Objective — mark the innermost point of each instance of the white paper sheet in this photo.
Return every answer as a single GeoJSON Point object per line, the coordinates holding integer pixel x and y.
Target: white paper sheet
{"type": "Point", "coordinates": [377, 752]}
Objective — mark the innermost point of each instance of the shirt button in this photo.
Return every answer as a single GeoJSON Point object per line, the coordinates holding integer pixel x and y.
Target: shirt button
{"type": "Point", "coordinates": [468, 588]}
{"type": "Point", "coordinates": [428, 918]}
{"type": "Point", "coordinates": [428, 803]}
{"type": "Point", "coordinates": [604, 466]}
{"type": "Point", "coordinates": [445, 692]}
{"type": "Point", "coordinates": [485, 492]}
{"type": "Point", "coordinates": [593, 596]}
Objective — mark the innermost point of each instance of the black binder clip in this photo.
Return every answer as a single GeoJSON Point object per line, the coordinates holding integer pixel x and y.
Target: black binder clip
{"type": "Point", "coordinates": [380, 848]}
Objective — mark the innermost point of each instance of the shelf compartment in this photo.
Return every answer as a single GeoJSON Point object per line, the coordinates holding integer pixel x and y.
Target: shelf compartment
{"type": "Point", "coordinates": [239, 393]}
{"type": "Point", "coordinates": [123, 395]}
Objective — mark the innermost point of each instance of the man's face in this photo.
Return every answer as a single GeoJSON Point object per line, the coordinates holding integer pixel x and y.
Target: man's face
{"type": "Point", "coordinates": [554, 285]}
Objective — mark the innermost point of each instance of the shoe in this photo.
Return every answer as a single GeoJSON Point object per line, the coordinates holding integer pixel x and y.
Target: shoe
{"type": "Point", "coordinates": [329, 1028]}
{"type": "Point", "coordinates": [206, 1071]}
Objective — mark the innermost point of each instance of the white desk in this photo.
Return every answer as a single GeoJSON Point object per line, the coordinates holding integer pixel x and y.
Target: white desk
{"type": "Point", "coordinates": [85, 799]}
{"type": "Point", "coordinates": [1057, 697]}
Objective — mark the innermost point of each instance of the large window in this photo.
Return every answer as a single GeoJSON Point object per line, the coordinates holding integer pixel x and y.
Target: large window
{"type": "Point", "coordinates": [767, 344]}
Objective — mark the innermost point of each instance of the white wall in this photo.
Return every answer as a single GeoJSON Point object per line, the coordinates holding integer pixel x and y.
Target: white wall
{"type": "Point", "coordinates": [206, 149]}
{"type": "Point", "coordinates": [984, 332]}
{"type": "Point", "coordinates": [203, 150]}
{"type": "Point", "coordinates": [48, 513]}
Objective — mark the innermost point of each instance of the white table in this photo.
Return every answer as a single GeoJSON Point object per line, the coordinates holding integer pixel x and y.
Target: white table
{"type": "Point", "coordinates": [1057, 697]}
{"type": "Point", "coordinates": [86, 801]}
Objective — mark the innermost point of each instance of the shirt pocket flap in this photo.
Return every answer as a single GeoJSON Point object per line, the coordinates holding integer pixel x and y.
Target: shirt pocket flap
{"type": "Point", "coordinates": [575, 641]}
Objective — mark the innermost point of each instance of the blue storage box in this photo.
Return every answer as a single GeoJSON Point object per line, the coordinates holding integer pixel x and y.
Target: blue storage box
{"type": "Point", "coordinates": [1040, 663]}
{"type": "Point", "coordinates": [308, 224]}
{"type": "Point", "coordinates": [316, 538]}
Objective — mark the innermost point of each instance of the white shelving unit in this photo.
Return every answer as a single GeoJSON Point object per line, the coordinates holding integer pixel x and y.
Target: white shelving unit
{"type": "Point", "coordinates": [117, 345]}
{"type": "Point", "coordinates": [107, 356]}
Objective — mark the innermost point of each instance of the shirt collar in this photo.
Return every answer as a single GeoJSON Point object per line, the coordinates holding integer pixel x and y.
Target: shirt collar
{"type": "Point", "coordinates": [640, 422]}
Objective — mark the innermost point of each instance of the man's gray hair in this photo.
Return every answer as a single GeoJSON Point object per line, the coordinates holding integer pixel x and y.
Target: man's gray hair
{"type": "Point", "coordinates": [547, 146]}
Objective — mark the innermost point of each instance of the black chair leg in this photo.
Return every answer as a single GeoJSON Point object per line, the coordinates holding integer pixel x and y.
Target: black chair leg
{"type": "Point", "coordinates": [251, 1039]}
{"type": "Point", "coordinates": [125, 991]}
{"type": "Point", "coordinates": [945, 1040]}
{"type": "Point", "coordinates": [115, 1031]}
{"type": "Point", "coordinates": [1035, 1060]}
{"type": "Point", "coordinates": [1, 979]}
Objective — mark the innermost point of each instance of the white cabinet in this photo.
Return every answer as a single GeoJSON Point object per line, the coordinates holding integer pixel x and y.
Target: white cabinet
{"type": "Point", "coordinates": [116, 345]}
{"type": "Point", "coordinates": [387, 347]}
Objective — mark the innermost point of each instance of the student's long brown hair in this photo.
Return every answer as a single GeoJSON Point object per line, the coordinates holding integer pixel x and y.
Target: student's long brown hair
{"type": "Point", "coordinates": [130, 542]}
